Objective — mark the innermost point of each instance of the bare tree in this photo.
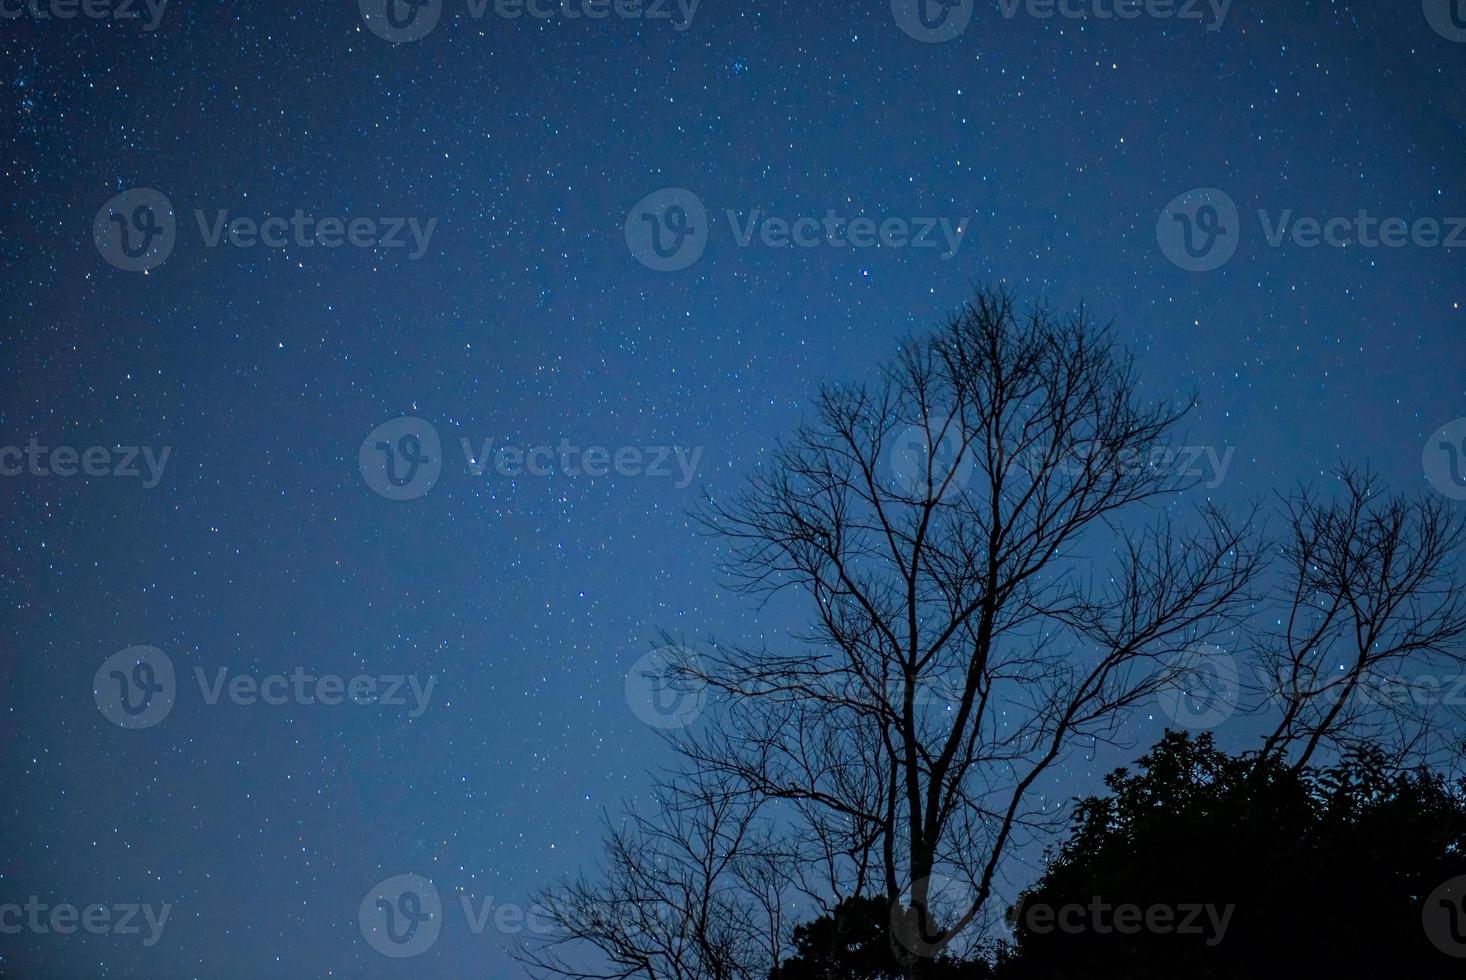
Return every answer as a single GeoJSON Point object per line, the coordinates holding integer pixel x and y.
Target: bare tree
{"type": "Point", "coordinates": [962, 638]}
{"type": "Point", "coordinates": [988, 555]}
{"type": "Point", "coordinates": [692, 889]}
{"type": "Point", "coordinates": [1373, 607]}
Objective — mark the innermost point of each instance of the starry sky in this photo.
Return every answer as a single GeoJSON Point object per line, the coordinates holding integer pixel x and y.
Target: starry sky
{"type": "Point", "coordinates": [534, 313]}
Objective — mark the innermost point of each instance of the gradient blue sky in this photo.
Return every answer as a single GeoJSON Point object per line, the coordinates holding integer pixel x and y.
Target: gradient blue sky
{"type": "Point", "coordinates": [528, 320]}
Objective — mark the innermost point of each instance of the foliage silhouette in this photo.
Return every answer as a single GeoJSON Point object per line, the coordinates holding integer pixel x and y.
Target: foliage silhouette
{"type": "Point", "coordinates": [1326, 869]}
{"type": "Point", "coordinates": [989, 542]}
{"type": "Point", "coordinates": [854, 943]}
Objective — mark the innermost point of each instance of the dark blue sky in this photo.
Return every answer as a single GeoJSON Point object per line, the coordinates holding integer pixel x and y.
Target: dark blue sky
{"type": "Point", "coordinates": [527, 319]}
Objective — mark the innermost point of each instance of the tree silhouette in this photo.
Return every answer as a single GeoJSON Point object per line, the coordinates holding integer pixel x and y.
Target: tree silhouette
{"type": "Point", "coordinates": [692, 888]}
{"type": "Point", "coordinates": [992, 570]}
{"type": "Point", "coordinates": [853, 942]}
{"type": "Point", "coordinates": [932, 524]}
{"type": "Point", "coordinates": [1326, 871]}
{"type": "Point", "coordinates": [1372, 611]}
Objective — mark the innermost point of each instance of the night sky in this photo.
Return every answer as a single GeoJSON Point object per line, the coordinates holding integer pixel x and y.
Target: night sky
{"type": "Point", "coordinates": [543, 162]}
